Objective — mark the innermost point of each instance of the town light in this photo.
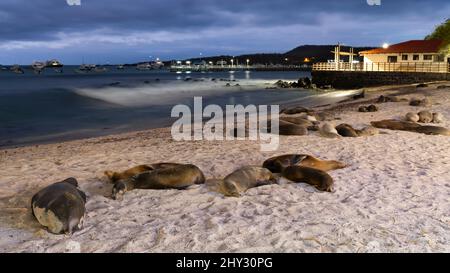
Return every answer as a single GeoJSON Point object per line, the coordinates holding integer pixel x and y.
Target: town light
{"type": "Point", "coordinates": [385, 45]}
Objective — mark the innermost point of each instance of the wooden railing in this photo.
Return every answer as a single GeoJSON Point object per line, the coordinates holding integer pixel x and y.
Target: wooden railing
{"type": "Point", "coordinates": [428, 67]}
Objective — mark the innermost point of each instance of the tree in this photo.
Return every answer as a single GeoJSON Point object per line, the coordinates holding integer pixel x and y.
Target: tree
{"type": "Point", "coordinates": [442, 32]}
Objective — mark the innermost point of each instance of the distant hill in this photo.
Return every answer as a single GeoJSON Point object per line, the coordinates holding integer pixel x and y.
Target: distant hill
{"type": "Point", "coordinates": [296, 56]}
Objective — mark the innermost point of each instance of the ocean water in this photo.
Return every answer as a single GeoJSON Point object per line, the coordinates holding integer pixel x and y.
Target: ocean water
{"type": "Point", "coordinates": [61, 106]}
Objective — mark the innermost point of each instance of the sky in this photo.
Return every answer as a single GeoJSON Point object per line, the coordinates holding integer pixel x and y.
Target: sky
{"type": "Point", "coordinates": [127, 31]}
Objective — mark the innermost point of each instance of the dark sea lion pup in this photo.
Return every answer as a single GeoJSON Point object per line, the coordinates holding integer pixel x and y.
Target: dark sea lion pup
{"type": "Point", "coordinates": [317, 178]}
{"type": "Point", "coordinates": [278, 163]}
{"type": "Point", "coordinates": [177, 177]}
{"type": "Point", "coordinates": [116, 176]}
{"type": "Point", "coordinates": [60, 207]}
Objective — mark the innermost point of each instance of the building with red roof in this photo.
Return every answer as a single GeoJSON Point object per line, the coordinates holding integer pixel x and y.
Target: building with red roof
{"type": "Point", "coordinates": [410, 53]}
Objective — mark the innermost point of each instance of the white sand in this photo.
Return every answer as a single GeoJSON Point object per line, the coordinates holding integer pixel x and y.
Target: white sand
{"type": "Point", "coordinates": [394, 197]}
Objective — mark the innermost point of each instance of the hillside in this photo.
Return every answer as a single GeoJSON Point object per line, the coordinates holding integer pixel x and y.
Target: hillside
{"type": "Point", "coordinates": [296, 56]}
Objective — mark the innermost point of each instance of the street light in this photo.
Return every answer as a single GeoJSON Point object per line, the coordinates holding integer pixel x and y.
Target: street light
{"type": "Point", "coordinates": [248, 61]}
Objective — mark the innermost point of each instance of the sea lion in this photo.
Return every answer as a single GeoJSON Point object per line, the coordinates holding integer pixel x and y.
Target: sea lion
{"type": "Point", "coordinates": [421, 103]}
{"type": "Point", "coordinates": [239, 181]}
{"type": "Point", "coordinates": [278, 163]}
{"type": "Point", "coordinates": [328, 130]}
{"type": "Point", "coordinates": [411, 127]}
{"type": "Point", "coordinates": [425, 117]}
{"type": "Point", "coordinates": [383, 99]}
{"type": "Point", "coordinates": [412, 117]}
{"type": "Point", "coordinates": [317, 178]}
{"type": "Point", "coordinates": [116, 176]}
{"type": "Point", "coordinates": [298, 120]}
{"type": "Point", "coordinates": [368, 131]}
{"type": "Point", "coordinates": [290, 129]}
{"type": "Point", "coordinates": [370, 108]}
{"type": "Point", "coordinates": [296, 110]}
{"type": "Point", "coordinates": [362, 109]}
{"type": "Point", "coordinates": [438, 118]}
{"type": "Point", "coordinates": [176, 177]}
{"type": "Point", "coordinates": [346, 130]}
{"type": "Point", "coordinates": [60, 207]}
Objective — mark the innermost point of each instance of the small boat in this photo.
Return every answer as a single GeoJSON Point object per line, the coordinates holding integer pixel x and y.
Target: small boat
{"type": "Point", "coordinates": [17, 69]}
{"type": "Point", "coordinates": [85, 68]}
{"type": "Point", "coordinates": [38, 67]}
{"type": "Point", "coordinates": [100, 69]}
{"type": "Point", "coordinates": [53, 63]}
{"type": "Point", "coordinates": [144, 66]}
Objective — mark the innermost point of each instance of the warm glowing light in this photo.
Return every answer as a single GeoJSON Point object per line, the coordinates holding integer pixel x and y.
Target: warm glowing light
{"type": "Point", "coordinates": [385, 45]}
{"type": "Point", "coordinates": [306, 60]}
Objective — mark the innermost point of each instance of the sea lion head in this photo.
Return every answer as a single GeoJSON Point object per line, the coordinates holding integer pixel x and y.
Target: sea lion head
{"type": "Point", "coordinates": [119, 189]}
{"type": "Point", "coordinates": [112, 176]}
{"type": "Point", "coordinates": [231, 189]}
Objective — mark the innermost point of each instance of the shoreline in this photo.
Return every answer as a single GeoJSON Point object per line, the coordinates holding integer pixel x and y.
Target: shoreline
{"type": "Point", "coordinates": [393, 197]}
{"type": "Point", "coordinates": [166, 125]}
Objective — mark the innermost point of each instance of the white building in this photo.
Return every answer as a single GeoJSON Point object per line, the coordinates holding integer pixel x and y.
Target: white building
{"type": "Point", "coordinates": [411, 56]}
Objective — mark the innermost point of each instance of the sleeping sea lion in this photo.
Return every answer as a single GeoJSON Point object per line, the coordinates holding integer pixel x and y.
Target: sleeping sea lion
{"type": "Point", "coordinates": [411, 127]}
{"type": "Point", "coordinates": [346, 130]}
{"type": "Point", "coordinates": [238, 182]}
{"type": "Point", "coordinates": [425, 117]}
{"type": "Point", "coordinates": [115, 176]}
{"type": "Point", "coordinates": [317, 178]}
{"type": "Point", "coordinates": [368, 131]}
{"type": "Point", "coordinates": [290, 129]}
{"type": "Point", "coordinates": [176, 177]}
{"type": "Point", "coordinates": [60, 207]}
{"type": "Point", "coordinates": [298, 120]}
{"type": "Point", "coordinates": [278, 163]}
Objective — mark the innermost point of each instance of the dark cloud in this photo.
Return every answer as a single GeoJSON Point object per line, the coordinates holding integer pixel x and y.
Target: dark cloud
{"type": "Point", "coordinates": [179, 28]}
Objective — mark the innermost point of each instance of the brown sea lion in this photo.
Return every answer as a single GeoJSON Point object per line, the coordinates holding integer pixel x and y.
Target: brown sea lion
{"type": "Point", "coordinates": [60, 207]}
{"type": "Point", "coordinates": [296, 110]}
{"type": "Point", "coordinates": [346, 130]}
{"type": "Point", "coordinates": [411, 127]}
{"type": "Point", "coordinates": [278, 163]}
{"type": "Point", "coordinates": [425, 117]}
{"type": "Point", "coordinates": [290, 129]}
{"type": "Point", "coordinates": [421, 103]}
{"type": "Point", "coordinates": [298, 120]}
{"type": "Point", "coordinates": [116, 176]}
{"type": "Point", "coordinates": [317, 178]}
{"type": "Point", "coordinates": [176, 177]}
{"type": "Point", "coordinates": [368, 131]}
{"type": "Point", "coordinates": [238, 182]}
{"type": "Point", "coordinates": [370, 108]}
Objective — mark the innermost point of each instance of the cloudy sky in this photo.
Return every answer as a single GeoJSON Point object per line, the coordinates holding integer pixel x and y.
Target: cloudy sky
{"type": "Point", "coordinates": [121, 31]}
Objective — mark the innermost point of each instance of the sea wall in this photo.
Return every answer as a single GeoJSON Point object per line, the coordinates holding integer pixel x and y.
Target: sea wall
{"type": "Point", "coordinates": [360, 79]}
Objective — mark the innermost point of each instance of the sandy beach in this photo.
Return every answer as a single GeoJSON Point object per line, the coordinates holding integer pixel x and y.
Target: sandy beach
{"type": "Point", "coordinates": [393, 197]}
